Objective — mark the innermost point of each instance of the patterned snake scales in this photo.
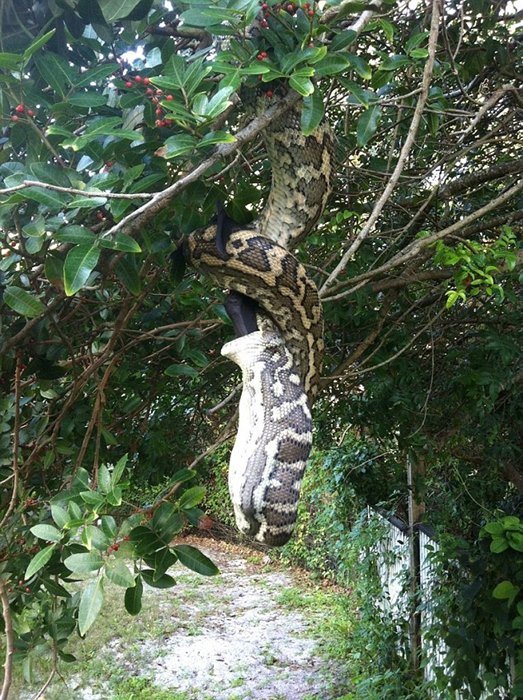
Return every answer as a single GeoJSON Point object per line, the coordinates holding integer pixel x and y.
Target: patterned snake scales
{"type": "Point", "coordinates": [278, 322]}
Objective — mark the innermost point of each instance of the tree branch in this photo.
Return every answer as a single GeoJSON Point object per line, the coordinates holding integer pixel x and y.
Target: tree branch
{"type": "Point", "coordinates": [139, 217]}
{"type": "Point", "coordinates": [9, 642]}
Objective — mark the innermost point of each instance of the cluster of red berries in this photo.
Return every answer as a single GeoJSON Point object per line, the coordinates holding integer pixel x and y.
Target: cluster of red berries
{"type": "Point", "coordinates": [155, 96]}
{"type": "Point", "coordinates": [24, 589]}
{"type": "Point", "coordinates": [290, 7]}
{"type": "Point", "coordinates": [115, 546]}
{"type": "Point", "coordinates": [19, 110]}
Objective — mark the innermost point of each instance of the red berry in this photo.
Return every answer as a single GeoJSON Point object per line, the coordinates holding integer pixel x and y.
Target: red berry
{"type": "Point", "coordinates": [155, 100]}
{"type": "Point", "coordinates": [28, 590]}
{"type": "Point", "coordinates": [129, 84]}
{"type": "Point", "coordinates": [265, 6]}
{"type": "Point", "coordinates": [146, 81]}
{"type": "Point", "coordinates": [149, 91]}
{"type": "Point", "coordinates": [158, 111]}
{"type": "Point", "coordinates": [30, 113]}
{"type": "Point", "coordinates": [15, 117]}
{"type": "Point", "coordinates": [290, 7]}
{"type": "Point", "coordinates": [116, 546]}
{"type": "Point", "coordinates": [311, 13]}
{"type": "Point", "coordinates": [264, 24]}
{"type": "Point", "coordinates": [20, 109]}
{"type": "Point", "coordinates": [260, 77]}
{"type": "Point", "coordinates": [159, 92]}
{"type": "Point", "coordinates": [169, 98]}
{"type": "Point", "coordinates": [269, 93]}
{"type": "Point", "coordinates": [306, 5]}
{"type": "Point", "coordinates": [125, 538]}
{"type": "Point", "coordinates": [158, 122]}
{"type": "Point", "coordinates": [137, 78]}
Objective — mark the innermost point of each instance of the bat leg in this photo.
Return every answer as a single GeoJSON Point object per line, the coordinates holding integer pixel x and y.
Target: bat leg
{"type": "Point", "coordinates": [242, 312]}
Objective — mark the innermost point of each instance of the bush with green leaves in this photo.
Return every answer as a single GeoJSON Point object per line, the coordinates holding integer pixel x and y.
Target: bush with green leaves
{"type": "Point", "coordinates": [74, 537]}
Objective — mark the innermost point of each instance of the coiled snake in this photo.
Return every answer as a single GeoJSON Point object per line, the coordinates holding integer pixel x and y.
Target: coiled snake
{"type": "Point", "coordinates": [277, 317]}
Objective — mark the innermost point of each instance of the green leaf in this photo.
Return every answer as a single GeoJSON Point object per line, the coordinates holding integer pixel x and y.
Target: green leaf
{"type": "Point", "coordinates": [127, 272]}
{"type": "Point", "coordinates": [92, 536]}
{"type": "Point", "coordinates": [505, 590]}
{"type": "Point", "coordinates": [118, 573]}
{"type": "Point", "coordinates": [56, 72]}
{"type": "Point", "coordinates": [368, 124]}
{"type": "Point", "coordinates": [118, 470]}
{"type": "Point", "coordinates": [515, 540]}
{"type": "Point", "coordinates": [117, 9]}
{"type": "Point", "coordinates": [498, 545]}
{"type": "Point", "coordinates": [96, 74]}
{"type": "Point", "coordinates": [133, 597]}
{"type": "Point", "coordinates": [303, 85]}
{"type": "Point", "coordinates": [332, 64]}
{"type": "Point", "coordinates": [79, 264]}
{"type": "Point", "coordinates": [54, 201]}
{"type": "Point", "coordinates": [104, 479]}
{"type": "Point", "coordinates": [192, 497]}
{"type": "Point", "coordinates": [164, 581]}
{"type": "Point", "coordinates": [360, 66]}
{"type": "Point", "coordinates": [39, 560]}
{"type": "Point", "coordinates": [178, 145]}
{"type": "Point", "coordinates": [167, 521]}
{"type": "Point", "coordinates": [90, 604]}
{"type": "Point", "coordinates": [75, 234]}
{"type": "Point", "coordinates": [37, 44]}
{"type": "Point", "coordinates": [87, 99]}
{"type": "Point", "coordinates": [23, 302]}
{"type": "Point", "coordinates": [84, 562]}
{"type": "Point", "coordinates": [46, 532]}
{"type": "Point", "coordinates": [214, 137]}
{"type": "Point", "coordinates": [312, 112]}
{"type": "Point", "coordinates": [180, 370]}
{"type": "Point", "coordinates": [59, 515]}
{"type": "Point", "coordinates": [195, 560]}
{"type": "Point", "coordinates": [122, 242]}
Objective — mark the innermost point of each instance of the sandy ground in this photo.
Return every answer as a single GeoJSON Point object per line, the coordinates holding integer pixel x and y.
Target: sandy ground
{"type": "Point", "coordinates": [233, 639]}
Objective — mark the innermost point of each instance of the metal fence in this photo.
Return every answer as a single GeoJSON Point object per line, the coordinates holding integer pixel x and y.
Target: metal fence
{"type": "Point", "coordinates": [408, 579]}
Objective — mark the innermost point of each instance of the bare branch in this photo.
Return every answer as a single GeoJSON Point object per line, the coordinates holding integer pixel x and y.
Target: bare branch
{"type": "Point", "coordinates": [414, 249]}
{"type": "Point", "coordinates": [9, 642]}
{"type": "Point", "coordinates": [72, 190]}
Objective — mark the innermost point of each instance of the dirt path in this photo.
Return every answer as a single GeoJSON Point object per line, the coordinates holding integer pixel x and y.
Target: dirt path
{"type": "Point", "coordinates": [229, 637]}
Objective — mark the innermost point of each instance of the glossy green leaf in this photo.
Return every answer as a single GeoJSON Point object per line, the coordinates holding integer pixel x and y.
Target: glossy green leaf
{"type": "Point", "coordinates": [368, 124]}
{"type": "Point", "coordinates": [46, 532]}
{"type": "Point", "coordinates": [79, 263]}
{"type": "Point", "coordinates": [195, 560]}
{"type": "Point", "coordinates": [192, 497]}
{"type": "Point", "coordinates": [303, 85]}
{"type": "Point", "coordinates": [84, 562]}
{"type": "Point", "coordinates": [91, 603]}
{"type": "Point", "coordinates": [164, 581]}
{"type": "Point", "coordinates": [121, 242]}
{"type": "Point", "coordinates": [312, 112]}
{"type": "Point", "coordinates": [181, 370]}
{"type": "Point", "coordinates": [37, 44]}
{"type": "Point", "coordinates": [23, 302]}
{"type": "Point", "coordinates": [117, 572]}
{"type": "Point", "coordinates": [39, 560]}
{"type": "Point", "coordinates": [75, 234]}
{"type": "Point", "coordinates": [133, 597]}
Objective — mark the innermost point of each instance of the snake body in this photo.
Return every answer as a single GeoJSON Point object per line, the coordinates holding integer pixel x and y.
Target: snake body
{"type": "Point", "coordinates": [281, 358]}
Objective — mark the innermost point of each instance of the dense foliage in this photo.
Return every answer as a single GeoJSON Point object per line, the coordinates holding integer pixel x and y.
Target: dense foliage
{"type": "Point", "coordinates": [122, 127]}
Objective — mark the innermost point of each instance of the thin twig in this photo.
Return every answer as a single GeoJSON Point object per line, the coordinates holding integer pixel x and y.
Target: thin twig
{"type": "Point", "coordinates": [16, 442]}
{"type": "Point", "coordinates": [9, 642]}
{"type": "Point", "coordinates": [72, 190]}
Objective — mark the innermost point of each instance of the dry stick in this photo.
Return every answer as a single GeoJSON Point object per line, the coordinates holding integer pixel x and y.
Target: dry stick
{"type": "Point", "coordinates": [16, 442]}
{"type": "Point", "coordinates": [413, 249]}
{"type": "Point", "coordinates": [405, 151]}
{"type": "Point", "coordinates": [9, 642]}
{"type": "Point", "coordinates": [72, 190]}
